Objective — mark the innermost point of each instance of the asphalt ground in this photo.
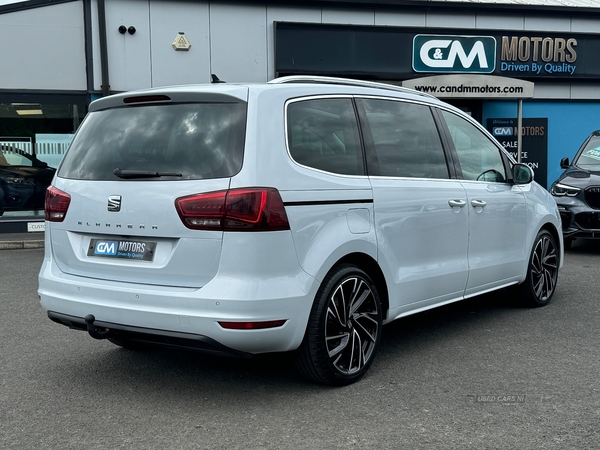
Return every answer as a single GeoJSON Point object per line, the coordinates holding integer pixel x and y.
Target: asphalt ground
{"type": "Point", "coordinates": [484, 373]}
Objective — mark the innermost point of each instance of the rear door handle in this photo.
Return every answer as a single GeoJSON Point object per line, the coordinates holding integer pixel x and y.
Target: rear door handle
{"type": "Point", "coordinates": [478, 203]}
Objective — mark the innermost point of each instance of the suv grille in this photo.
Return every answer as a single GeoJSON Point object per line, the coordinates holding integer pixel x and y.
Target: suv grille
{"type": "Point", "coordinates": [592, 197]}
{"type": "Point", "coordinates": [588, 220]}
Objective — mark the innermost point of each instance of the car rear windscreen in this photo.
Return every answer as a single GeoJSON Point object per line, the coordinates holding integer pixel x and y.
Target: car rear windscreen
{"type": "Point", "coordinates": [185, 141]}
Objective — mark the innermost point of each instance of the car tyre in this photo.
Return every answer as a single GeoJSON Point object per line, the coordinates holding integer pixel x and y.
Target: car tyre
{"type": "Point", "coordinates": [542, 272]}
{"type": "Point", "coordinates": [344, 328]}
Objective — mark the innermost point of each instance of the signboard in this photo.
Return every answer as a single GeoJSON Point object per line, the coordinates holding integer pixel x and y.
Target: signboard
{"type": "Point", "coordinates": [534, 151]}
{"type": "Point", "coordinates": [397, 53]}
{"type": "Point", "coordinates": [472, 86]}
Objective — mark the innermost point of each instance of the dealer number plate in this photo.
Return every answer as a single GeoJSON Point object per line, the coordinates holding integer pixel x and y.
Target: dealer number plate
{"type": "Point", "coordinates": [127, 249]}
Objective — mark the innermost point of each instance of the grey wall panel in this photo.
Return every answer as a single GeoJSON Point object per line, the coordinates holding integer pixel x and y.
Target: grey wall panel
{"type": "Point", "coordinates": [285, 14]}
{"type": "Point", "coordinates": [404, 19]}
{"type": "Point", "coordinates": [499, 22]}
{"type": "Point", "coordinates": [552, 91]}
{"type": "Point", "coordinates": [450, 20]}
{"type": "Point", "coordinates": [129, 55]}
{"type": "Point", "coordinates": [591, 25]}
{"type": "Point", "coordinates": [238, 42]}
{"type": "Point", "coordinates": [585, 92]}
{"type": "Point", "coordinates": [548, 23]}
{"type": "Point", "coordinates": [43, 48]}
{"type": "Point", "coordinates": [167, 19]}
{"type": "Point", "coordinates": [348, 16]}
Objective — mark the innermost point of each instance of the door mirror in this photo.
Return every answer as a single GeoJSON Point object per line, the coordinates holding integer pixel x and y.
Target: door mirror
{"type": "Point", "coordinates": [522, 174]}
{"type": "Point", "coordinates": [564, 163]}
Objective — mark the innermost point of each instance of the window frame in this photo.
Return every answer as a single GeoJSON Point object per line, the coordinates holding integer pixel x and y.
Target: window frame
{"type": "Point", "coordinates": [451, 149]}
{"type": "Point", "coordinates": [361, 145]}
{"type": "Point", "coordinates": [371, 154]}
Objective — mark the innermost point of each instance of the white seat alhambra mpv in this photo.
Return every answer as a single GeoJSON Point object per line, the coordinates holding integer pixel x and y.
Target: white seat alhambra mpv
{"type": "Point", "coordinates": [298, 215]}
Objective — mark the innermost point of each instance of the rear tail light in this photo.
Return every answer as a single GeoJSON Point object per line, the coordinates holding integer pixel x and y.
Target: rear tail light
{"type": "Point", "coordinates": [250, 209]}
{"type": "Point", "coordinates": [56, 205]}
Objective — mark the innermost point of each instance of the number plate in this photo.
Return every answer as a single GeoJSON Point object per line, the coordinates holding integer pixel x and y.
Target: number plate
{"type": "Point", "coordinates": [126, 249]}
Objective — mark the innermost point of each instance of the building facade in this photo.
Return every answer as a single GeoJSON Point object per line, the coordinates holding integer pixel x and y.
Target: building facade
{"type": "Point", "coordinates": [485, 58]}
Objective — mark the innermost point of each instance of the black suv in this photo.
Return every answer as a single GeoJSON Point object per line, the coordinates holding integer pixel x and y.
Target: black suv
{"type": "Point", "coordinates": [577, 192]}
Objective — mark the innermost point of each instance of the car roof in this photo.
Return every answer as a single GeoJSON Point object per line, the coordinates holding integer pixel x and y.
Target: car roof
{"type": "Point", "coordinates": [295, 85]}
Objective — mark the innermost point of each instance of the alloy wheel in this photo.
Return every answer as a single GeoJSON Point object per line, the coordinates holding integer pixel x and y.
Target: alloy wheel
{"type": "Point", "coordinates": [544, 268]}
{"type": "Point", "coordinates": [351, 325]}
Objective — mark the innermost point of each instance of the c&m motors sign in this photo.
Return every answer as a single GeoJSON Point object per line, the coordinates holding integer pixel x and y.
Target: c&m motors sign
{"type": "Point", "coordinates": [454, 54]}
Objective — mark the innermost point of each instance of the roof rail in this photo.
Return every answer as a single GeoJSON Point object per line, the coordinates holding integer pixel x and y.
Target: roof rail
{"type": "Point", "coordinates": [345, 82]}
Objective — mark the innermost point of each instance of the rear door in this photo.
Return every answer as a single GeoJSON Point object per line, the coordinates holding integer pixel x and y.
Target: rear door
{"type": "Point", "coordinates": [420, 216]}
{"type": "Point", "coordinates": [124, 171]}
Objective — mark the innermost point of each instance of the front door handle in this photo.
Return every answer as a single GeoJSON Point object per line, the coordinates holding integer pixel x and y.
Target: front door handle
{"type": "Point", "coordinates": [457, 203]}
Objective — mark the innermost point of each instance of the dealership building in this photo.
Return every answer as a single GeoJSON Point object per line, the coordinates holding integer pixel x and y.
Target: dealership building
{"type": "Point", "coordinates": [528, 65]}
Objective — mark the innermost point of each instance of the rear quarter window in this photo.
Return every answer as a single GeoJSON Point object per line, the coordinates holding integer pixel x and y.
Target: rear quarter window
{"type": "Point", "coordinates": [323, 134]}
{"type": "Point", "coordinates": [192, 140]}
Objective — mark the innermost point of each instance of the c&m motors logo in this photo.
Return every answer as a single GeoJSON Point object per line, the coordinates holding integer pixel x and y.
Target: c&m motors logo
{"type": "Point", "coordinates": [454, 54]}
{"type": "Point", "coordinates": [502, 131]}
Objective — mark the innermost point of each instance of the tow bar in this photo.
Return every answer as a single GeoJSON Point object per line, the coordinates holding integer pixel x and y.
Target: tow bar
{"type": "Point", "coordinates": [96, 332]}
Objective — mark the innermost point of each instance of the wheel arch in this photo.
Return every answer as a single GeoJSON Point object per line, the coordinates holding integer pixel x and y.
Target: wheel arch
{"type": "Point", "coordinates": [548, 226]}
{"type": "Point", "coordinates": [369, 265]}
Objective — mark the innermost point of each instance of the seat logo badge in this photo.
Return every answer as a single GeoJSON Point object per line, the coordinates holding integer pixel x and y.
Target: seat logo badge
{"type": "Point", "coordinates": [114, 203]}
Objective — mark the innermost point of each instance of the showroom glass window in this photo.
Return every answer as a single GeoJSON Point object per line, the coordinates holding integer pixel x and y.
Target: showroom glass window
{"type": "Point", "coordinates": [478, 156]}
{"type": "Point", "coordinates": [406, 142]}
{"type": "Point", "coordinates": [34, 135]}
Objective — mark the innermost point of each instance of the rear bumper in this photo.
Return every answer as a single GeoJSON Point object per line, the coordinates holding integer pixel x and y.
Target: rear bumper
{"type": "Point", "coordinates": [161, 338]}
{"type": "Point", "coordinates": [187, 317]}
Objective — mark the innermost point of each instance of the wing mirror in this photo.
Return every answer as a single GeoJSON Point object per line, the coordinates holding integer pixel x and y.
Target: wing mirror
{"type": "Point", "coordinates": [564, 163]}
{"type": "Point", "coordinates": [522, 174]}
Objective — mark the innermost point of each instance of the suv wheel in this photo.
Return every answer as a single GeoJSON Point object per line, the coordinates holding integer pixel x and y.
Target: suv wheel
{"type": "Point", "coordinates": [344, 328]}
{"type": "Point", "coordinates": [542, 272]}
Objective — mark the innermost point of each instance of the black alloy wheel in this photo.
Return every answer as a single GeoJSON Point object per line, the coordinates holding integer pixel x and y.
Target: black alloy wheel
{"type": "Point", "coordinates": [344, 328]}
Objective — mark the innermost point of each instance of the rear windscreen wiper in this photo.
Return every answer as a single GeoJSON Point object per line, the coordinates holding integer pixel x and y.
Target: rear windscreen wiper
{"type": "Point", "coordinates": [125, 173]}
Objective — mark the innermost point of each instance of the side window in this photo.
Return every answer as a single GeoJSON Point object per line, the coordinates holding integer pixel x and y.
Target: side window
{"type": "Point", "coordinates": [323, 134]}
{"type": "Point", "coordinates": [406, 140]}
{"type": "Point", "coordinates": [478, 157]}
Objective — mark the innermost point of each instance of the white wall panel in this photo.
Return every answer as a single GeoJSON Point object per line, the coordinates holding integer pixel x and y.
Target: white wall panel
{"type": "Point", "coordinates": [169, 67]}
{"type": "Point", "coordinates": [43, 48]}
{"type": "Point", "coordinates": [129, 55]}
{"type": "Point", "coordinates": [285, 14]}
{"type": "Point", "coordinates": [348, 16]}
{"type": "Point", "coordinates": [238, 42]}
